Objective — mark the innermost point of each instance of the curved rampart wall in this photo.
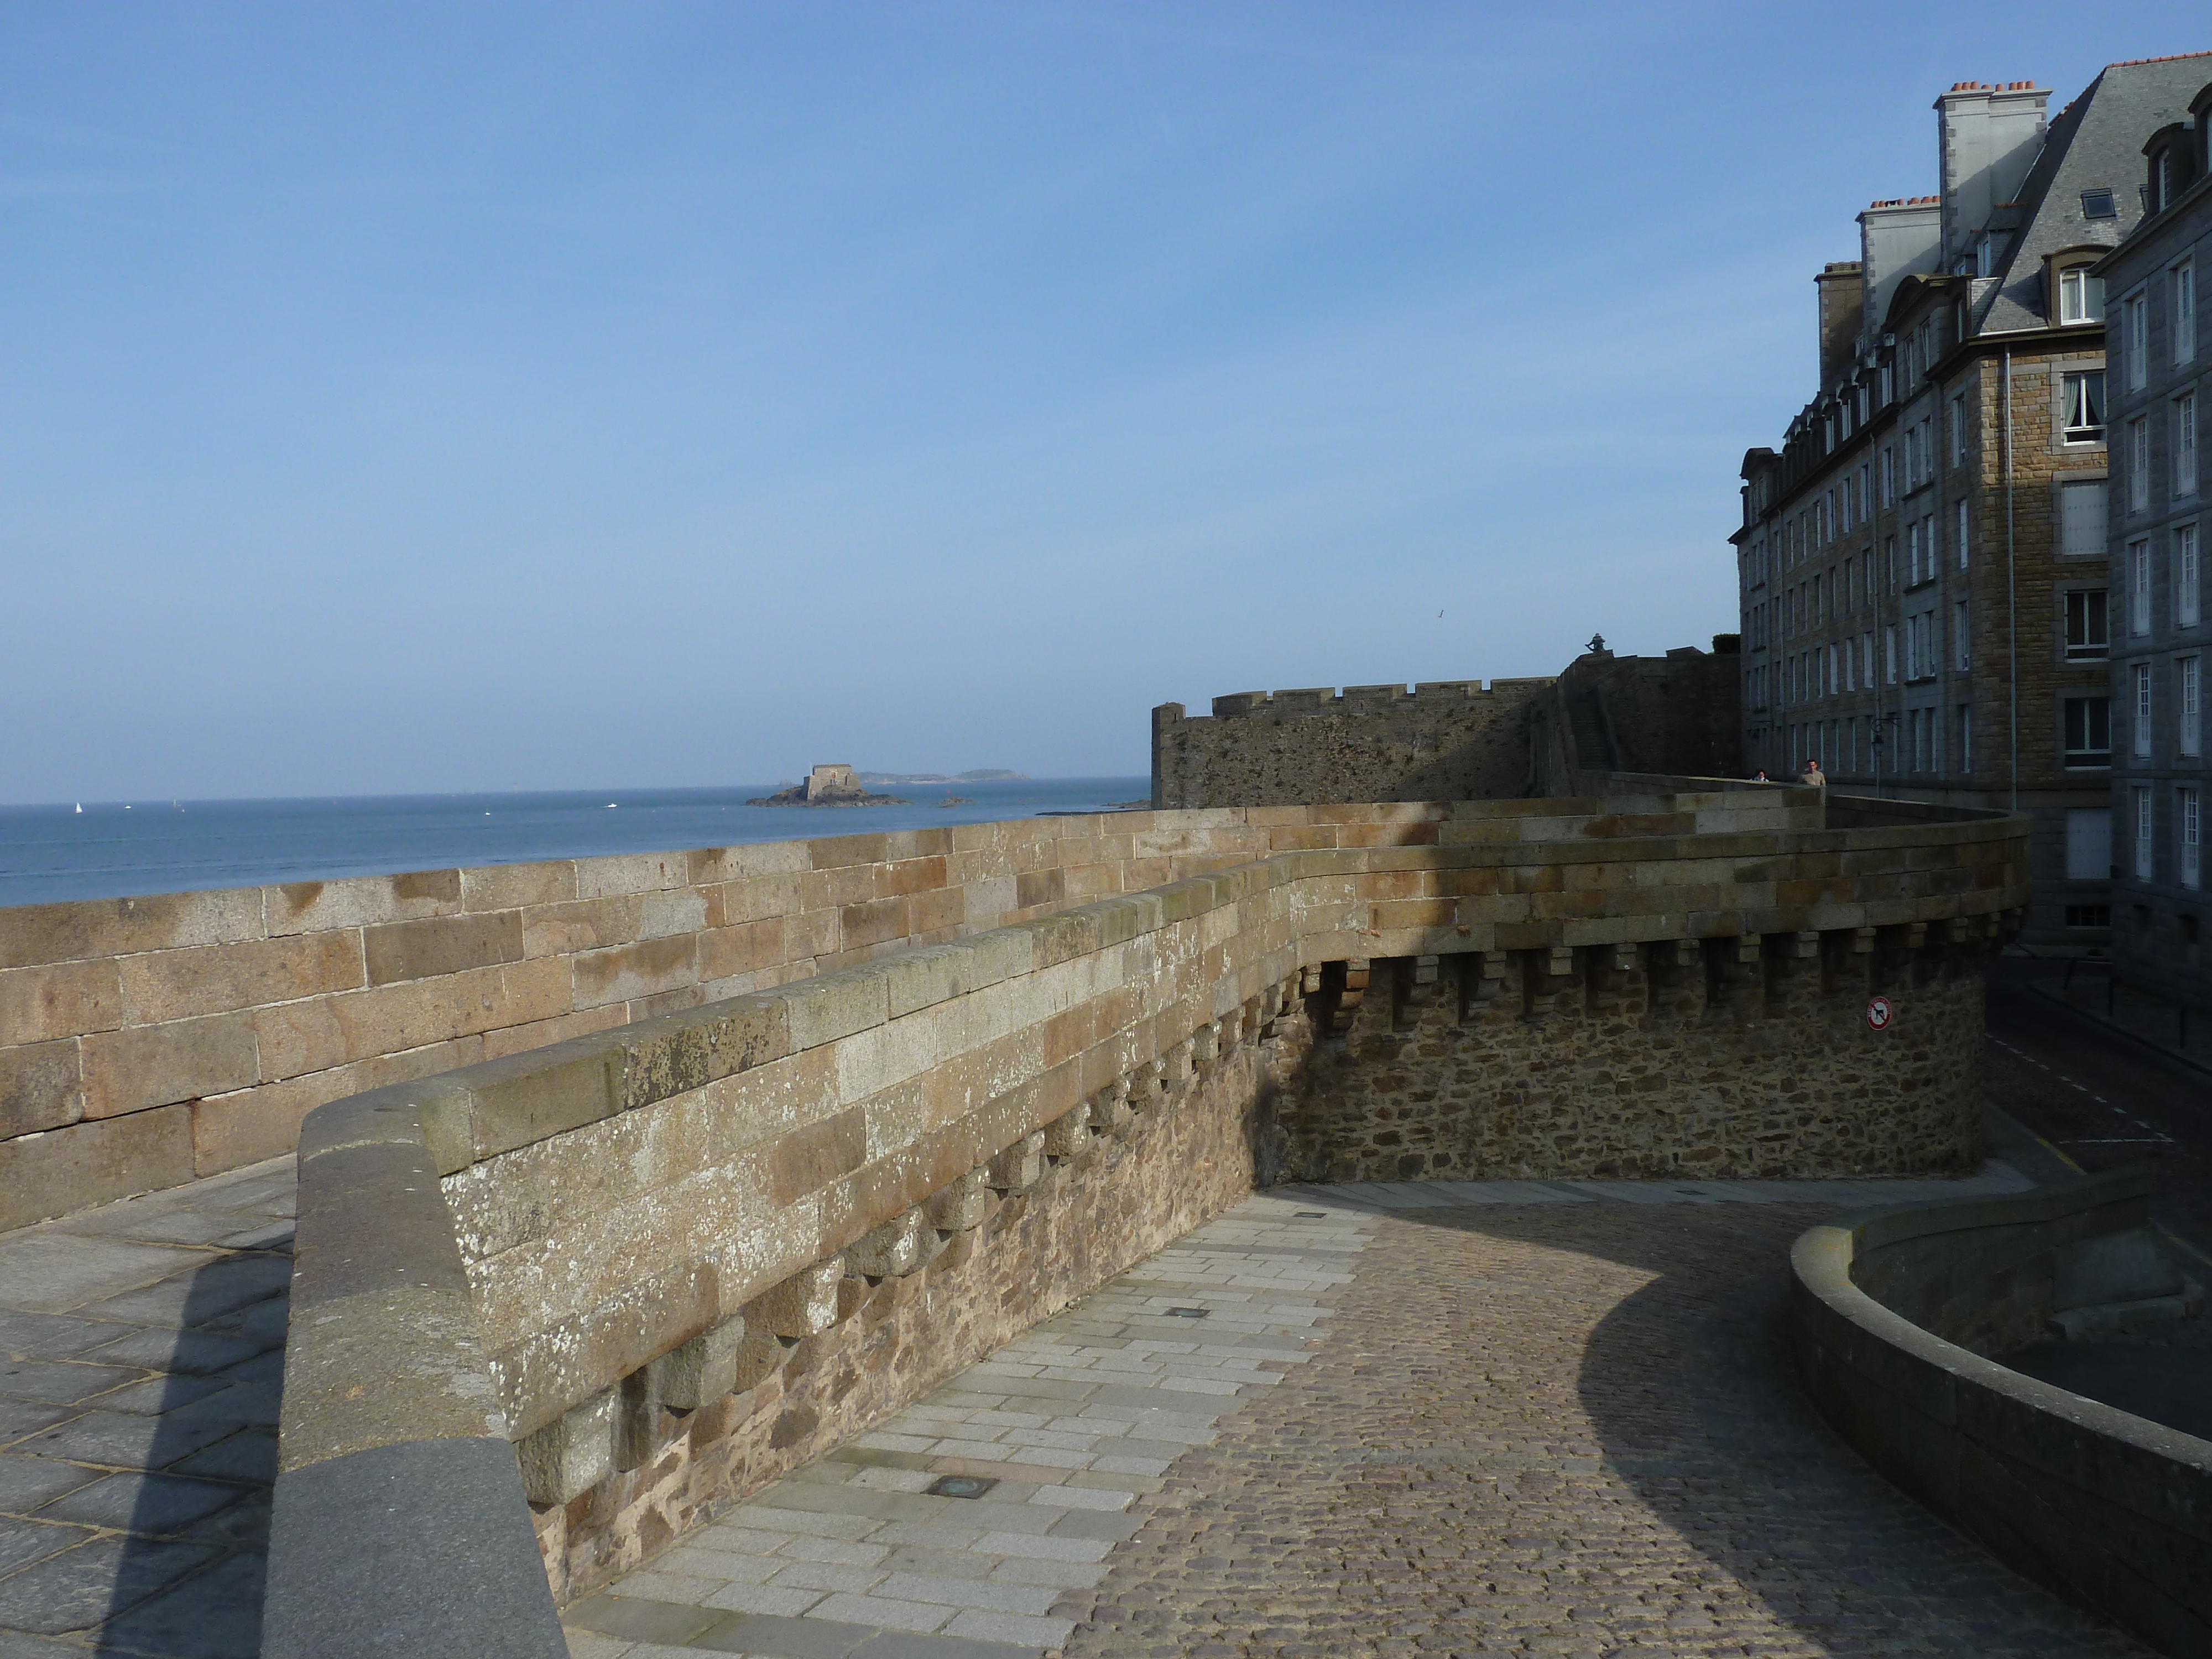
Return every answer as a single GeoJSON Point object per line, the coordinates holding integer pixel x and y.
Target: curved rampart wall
{"type": "Point", "coordinates": [2109, 1509]}
{"type": "Point", "coordinates": [669, 1260]}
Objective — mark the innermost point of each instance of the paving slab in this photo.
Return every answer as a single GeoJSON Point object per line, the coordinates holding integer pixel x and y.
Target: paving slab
{"type": "Point", "coordinates": [140, 1337]}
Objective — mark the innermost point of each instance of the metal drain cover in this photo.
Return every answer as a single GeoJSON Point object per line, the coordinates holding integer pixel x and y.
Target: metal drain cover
{"type": "Point", "coordinates": [959, 1486]}
{"type": "Point", "coordinates": [1186, 1313]}
{"type": "Point", "coordinates": [1313, 1215]}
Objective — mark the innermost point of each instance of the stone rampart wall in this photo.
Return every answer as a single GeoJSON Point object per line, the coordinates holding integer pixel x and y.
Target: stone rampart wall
{"type": "Point", "coordinates": [1731, 1058]}
{"type": "Point", "coordinates": [669, 1259]}
{"type": "Point", "coordinates": [2111, 1510]}
{"type": "Point", "coordinates": [1452, 741]}
{"type": "Point", "coordinates": [145, 1042]}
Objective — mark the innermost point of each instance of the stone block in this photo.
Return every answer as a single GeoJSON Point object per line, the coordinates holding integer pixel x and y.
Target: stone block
{"type": "Point", "coordinates": [832, 1005]}
{"type": "Point", "coordinates": [41, 1087]}
{"type": "Point", "coordinates": [1068, 1133]}
{"type": "Point", "coordinates": [703, 1369]}
{"type": "Point", "coordinates": [891, 1250]}
{"type": "Point", "coordinates": [34, 934]}
{"type": "Point", "coordinates": [160, 1065]}
{"type": "Point", "coordinates": [439, 945]}
{"type": "Point", "coordinates": [168, 985]}
{"type": "Point", "coordinates": [572, 1454]}
{"type": "Point", "coordinates": [514, 886]}
{"type": "Point", "coordinates": [527, 1097]}
{"type": "Point", "coordinates": [801, 1305]}
{"type": "Point", "coordinates": [91, 1163]}
{"type": "Point", "coordinates": [643, 968]}
{"type": "Point", "coordinates": [311, 907]}
{"type": "Point", "coordinates": [1018, 1168]}
{"type": "Point", "coordinates": [966, 1203]}
{"type": "Point", "coordinates": [631, 872]}
{"type": "Point", "coordinates": [41, 1004]}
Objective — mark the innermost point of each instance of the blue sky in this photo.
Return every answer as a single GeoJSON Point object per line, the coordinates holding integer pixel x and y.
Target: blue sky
{"type": "Point", "coordinates": [417, 397]}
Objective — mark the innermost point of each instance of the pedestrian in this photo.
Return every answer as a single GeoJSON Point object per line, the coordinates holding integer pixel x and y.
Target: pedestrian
{"type": "Point", "coordinates": [1759, 776]}
{"type": "Point", "coordinates": [1813, 774]}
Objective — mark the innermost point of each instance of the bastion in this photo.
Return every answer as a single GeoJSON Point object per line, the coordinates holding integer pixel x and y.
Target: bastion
{"type": "Point", "coordinates": [554, 1308]}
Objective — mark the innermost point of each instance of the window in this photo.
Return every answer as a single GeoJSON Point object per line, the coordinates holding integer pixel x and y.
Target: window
{"type": "Point", "coordinates": [2081, 296]}
{"type": "Point", "coordinates": [1959, 430]}
{"type": "Point", "coordinates": [1866, 660]}
{"type": "Point", "coordinates": [2188, 707]}
{"type": "Point", "coordinates": [2088, 722]}
{"type": "Point", "coordinates": [2089, 915]}
{"type": "Point", "coordinates": [2187, 587]}
{"type": "Point", "coordinates": [1962, 638]}
{"type": "Point", "coordinates": [1888, 473]}
{"type": "Point", "coordinates": [2138, 451]}
{"type": "Point", "coordinates": [2189, 815]}
{"type": "Point", "coordinates": [2135, 339]}
{"type": "Point", "coordinates": [1889, 653]}
{"type": "Point", "coordinates": [2082, 519]}
{"type": "Point", "coordinates": [2139, 588]}
{"type": "Point", "coordinates": [2184, 445]}
{"type": "Point", "coordinates": [2183, 296]}
{"type": "Point", "coordinates": [1958, 520]}
{"type": "Point", "coordinates": [1965, 740]}
{"type": "Point", "coordinates": [2083, 398]}
{"type": "Point", "coordinates": [1912, 554]}
{"type": "Point", "coordinates": [2089, 846]}
{"type": "Point", "coordinates": [2098, 205]}
{"type": "Point", "coordinates": [2086, 638]}
{"type": "Point", "coordinates": [2141, 733]}
{"type": "Point", "coordinates": [2139, 800]}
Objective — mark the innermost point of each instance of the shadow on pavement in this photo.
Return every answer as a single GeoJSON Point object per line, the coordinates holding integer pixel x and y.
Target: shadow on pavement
{"type": "Point", "coordinates": [188, 1574]}
{"type": "Point", "coordinates": [1689, 1388]}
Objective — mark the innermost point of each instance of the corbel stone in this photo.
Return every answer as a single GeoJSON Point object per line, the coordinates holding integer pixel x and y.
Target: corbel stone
{"type": "Point", "coordinates": [1175, 1066]}
{"type": "Point", "coordinates": [1020, 1167]}
{"type": "Point", "coordinates": [1145, 1086]}
{"type": "Point", "coordinates": [892, 1249]}
{"type": "Point", "coordinates": [1206, 1044]}
{"type": "Point", "coordinates": [704, 1369]}
{"type": "Point", "coordinates": [800, 1305]}
{"type": "Point", "coordinates": [966, 1203]}
{"type": "Point", "coordinates": [572, 1454]}
{"type": "Point", "coordinates": [1915, 935]}
{"type": "Point", "coordinates": [1559, 960]}
{"type": "Point", "coordinates": [1803, 947]}
{"type": "Point", "coordinates": [1068, 1133]}
{"type": "Point", "coordinates": [1425, 970]}
{"type": "Point", "coordinates": [1311, 981]}
{"type": "Point", "coordinates": [1862, 939]}
{"type": "Point", "coordinates": [1109, 1109]}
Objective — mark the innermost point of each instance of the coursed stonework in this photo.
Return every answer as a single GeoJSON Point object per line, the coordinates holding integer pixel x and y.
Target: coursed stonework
{"type": "Point", "coordinates": [653, 1222]}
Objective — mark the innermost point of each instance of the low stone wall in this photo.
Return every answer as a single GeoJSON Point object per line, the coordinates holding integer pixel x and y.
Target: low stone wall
{"type": "Point", "coordinates": [671, 1260]}
{"type": "Point", "coordinates": [2107, 1508]}
{"type": "Point", "coordinates": [1451, 740]}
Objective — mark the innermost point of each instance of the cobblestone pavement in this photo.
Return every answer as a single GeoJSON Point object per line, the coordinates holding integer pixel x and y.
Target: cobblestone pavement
{"type": "Point", "coordinates": [1450, 1417]}
{"type": "Point", "coordinates": [144, 1359]}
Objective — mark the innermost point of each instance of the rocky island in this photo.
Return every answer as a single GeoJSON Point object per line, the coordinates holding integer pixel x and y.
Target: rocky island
{"type": "Point", "coordinates": [827, 786]}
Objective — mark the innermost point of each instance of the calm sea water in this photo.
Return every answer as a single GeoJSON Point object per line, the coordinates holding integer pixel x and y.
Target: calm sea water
{"type": "Point", "coordinates": [111, 849]}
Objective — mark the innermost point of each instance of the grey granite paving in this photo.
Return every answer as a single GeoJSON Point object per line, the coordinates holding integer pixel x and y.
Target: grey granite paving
{"type": "Point", "coordinates": [1093, 1426]}
{"type": "Point", "coordinates": [141, 1363]}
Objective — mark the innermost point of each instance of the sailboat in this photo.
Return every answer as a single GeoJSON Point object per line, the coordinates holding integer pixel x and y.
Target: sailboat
{"type": "Point", "coordinates": [80, 806]}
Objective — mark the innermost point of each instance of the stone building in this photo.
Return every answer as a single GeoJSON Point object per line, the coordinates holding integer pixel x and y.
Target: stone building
{"type": "Point", "coordinates": [1921, 562]}
{"type": "Point", "coordinates": [2159, 382]}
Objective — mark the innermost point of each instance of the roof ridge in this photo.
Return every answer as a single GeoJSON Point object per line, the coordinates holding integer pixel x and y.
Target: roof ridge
{"type": "Point", "coordinates": [2170, 58]}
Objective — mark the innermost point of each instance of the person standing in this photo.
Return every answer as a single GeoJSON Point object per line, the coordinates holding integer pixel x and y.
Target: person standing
{"type": "Point", "coordinates": [1813, 774]}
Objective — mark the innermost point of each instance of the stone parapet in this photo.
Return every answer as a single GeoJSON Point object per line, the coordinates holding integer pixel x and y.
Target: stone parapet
{"type": "Point", "coordinates": [703, 1246]}
{"type": "Point", "coordinates": [1893, 1313]}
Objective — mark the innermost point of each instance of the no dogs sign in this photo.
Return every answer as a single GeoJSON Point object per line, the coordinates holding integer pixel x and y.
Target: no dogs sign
{"type": "Point", "coordinates": [1879, 1014]}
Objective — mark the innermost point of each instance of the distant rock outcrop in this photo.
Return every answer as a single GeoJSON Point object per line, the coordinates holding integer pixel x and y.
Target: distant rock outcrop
{"type": "Point", "coordinates": [827, 786]}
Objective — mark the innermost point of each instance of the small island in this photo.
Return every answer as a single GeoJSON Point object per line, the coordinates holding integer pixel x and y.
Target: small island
{"type": "Point", "coordinates": [827, 786]}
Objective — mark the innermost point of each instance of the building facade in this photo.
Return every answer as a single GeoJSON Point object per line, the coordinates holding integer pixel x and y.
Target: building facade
{"type": "Point", "coordinates": [1922, 564]}
{"type": "Point", "coordinates": [2160, 383]}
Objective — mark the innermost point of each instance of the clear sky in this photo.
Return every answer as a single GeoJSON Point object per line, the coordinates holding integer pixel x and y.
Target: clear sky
{"type": "Point", "coordinates": [403, 397]}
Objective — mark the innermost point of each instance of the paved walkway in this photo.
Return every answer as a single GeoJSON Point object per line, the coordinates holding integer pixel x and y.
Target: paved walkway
{"type": "Point", "coordinates": [144, 1346]}
{"type": "Point", "coordinates": [1448, 1418]}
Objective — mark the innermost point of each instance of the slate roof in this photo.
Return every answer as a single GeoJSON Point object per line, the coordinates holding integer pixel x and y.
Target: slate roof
{"type": "Point", "coordinates": [2094, 143]}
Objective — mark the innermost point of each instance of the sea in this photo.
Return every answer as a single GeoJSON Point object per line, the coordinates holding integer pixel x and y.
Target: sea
{"type": "Point", "coordinates": [113, 849]}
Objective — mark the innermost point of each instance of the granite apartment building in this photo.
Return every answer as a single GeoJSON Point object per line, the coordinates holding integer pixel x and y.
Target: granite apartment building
{"type": "Point", "coordinates": [2157, 392]}
{"type": "Point", "coordinates": [1922, 562]}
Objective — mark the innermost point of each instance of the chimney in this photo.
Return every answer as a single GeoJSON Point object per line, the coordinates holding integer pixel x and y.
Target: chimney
{"type": "Point", "coordinates": [1897, 238]}
{"type": "Point", "coordinates": [1989, 138]}
{"type": "Point", "coordinates": [1842, 302]}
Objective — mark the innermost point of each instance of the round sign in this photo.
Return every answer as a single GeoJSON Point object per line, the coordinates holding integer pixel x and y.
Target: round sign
{"type": "Point", "coordinates": [1879, 1014]}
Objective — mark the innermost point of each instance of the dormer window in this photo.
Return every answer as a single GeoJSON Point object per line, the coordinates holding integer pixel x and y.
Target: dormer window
{"type": "Point", "coordinates": [2162, 181]}
{"type": "Point", "coordinates": [2081, 297]}
{"type": "Point", "coordinates": [2098, 205]}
